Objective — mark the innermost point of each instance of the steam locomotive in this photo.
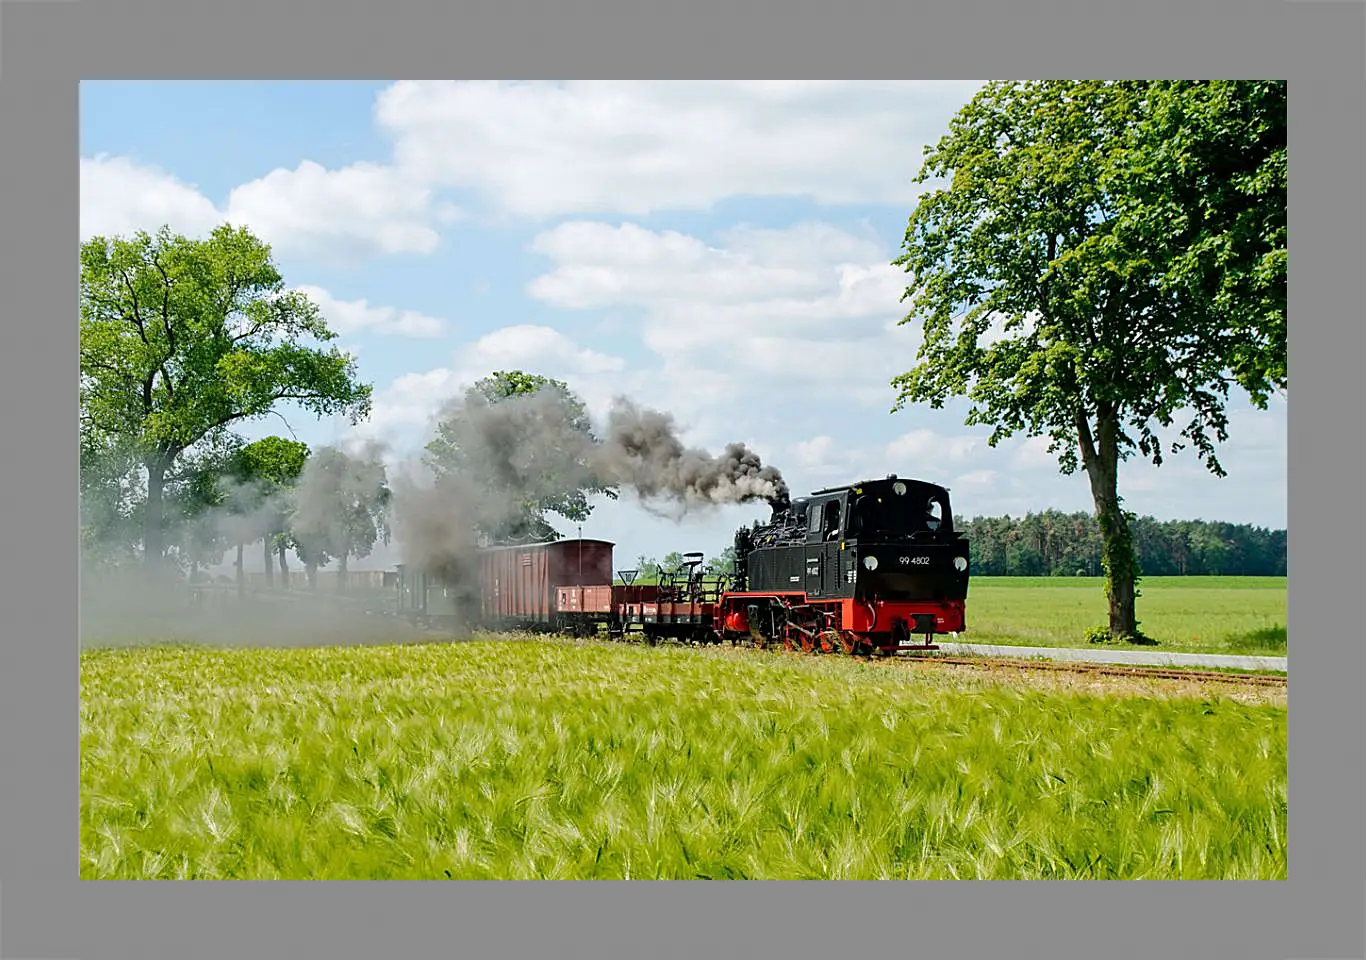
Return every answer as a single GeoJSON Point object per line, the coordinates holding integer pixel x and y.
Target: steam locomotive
{"type": "Point", "coordinates": [873, 567]}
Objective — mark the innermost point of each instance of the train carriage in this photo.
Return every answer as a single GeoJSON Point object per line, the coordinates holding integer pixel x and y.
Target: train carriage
{"type": "Point", "coordinates": [560, 585]}
{"type": "Point", "coordinates": [681, 606]}
{"type": "Point", "coordinates": [520, 586]}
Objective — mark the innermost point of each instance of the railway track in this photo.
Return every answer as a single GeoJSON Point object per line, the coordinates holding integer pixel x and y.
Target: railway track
{"type": "Point", "coordinates": [1108, 669]}
{"type": "Point", "coordinates": [1081, 666]}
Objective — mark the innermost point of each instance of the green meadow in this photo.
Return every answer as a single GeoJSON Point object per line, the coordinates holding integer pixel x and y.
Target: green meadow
{"type": "Point", "coordinates": [1234, 615]}
{"type": "Point", "coordinates": [557, 759]}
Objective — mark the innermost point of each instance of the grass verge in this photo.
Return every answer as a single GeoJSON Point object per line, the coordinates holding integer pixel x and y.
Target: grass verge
{"type": "Point", "coordinates": [1230, 615]}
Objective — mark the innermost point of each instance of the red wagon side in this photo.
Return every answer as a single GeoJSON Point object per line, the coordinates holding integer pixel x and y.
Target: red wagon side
{"type": "Point", "coordinates": [521, 586]}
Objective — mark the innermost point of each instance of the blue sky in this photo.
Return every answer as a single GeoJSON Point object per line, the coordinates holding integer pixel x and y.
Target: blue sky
{"type": "Point", "coordinates": [720, 251]}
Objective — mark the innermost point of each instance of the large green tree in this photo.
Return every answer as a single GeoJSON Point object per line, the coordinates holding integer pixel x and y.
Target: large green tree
{"type": "Point", "coordinates": [1094, 261]}
{"type": "Point", "coordinates": [516, 470]}
{"type": "Point", "coordinates": [723, 564]}
{"type": "Point", "coordinates": [183, 337]}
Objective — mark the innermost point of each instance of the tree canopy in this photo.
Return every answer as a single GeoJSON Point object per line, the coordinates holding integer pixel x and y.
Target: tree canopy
{"type": "Point", "coordinates": [266, 473]}
{"type": "Point", "coordinates": [1095, 261]}
{"type": "Point", "coordinates": [181, 339]}
{"type": "Point", "coordinates": [472, 446]}
{"type": "Point", "coordinates": [723, 564]}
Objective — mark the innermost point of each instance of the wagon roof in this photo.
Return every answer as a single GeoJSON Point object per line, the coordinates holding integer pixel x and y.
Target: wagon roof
{"type": "Point", "coordinates": [544, 544]}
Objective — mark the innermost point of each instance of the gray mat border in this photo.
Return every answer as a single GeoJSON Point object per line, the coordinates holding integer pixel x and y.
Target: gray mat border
{"type": "Point", "coordinates": [48, 46]}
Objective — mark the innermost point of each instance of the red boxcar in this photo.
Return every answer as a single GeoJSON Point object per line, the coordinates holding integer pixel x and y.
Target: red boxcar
{"type": "Point", "coordinates": [519, 585]}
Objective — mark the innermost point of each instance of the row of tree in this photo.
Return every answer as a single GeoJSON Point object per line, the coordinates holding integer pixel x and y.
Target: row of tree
{"type": "Point", "coordinates": [1057, 544]}
{"type": "Point", "coordinates": [648, 569]}
{"type": "Point", "coordinates": [324, 506]}
{"type": "Point", "coordinates": [183, 341]}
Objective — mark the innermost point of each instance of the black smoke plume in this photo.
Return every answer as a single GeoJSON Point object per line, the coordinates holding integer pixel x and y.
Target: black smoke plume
{"type": "Point", "coordinates": [643, 451]}
{"type": "Point", "coordinates": [500, 457]}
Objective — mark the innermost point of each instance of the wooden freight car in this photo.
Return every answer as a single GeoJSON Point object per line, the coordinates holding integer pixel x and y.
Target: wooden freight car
{"type": "Point", "coordinates": [544, 586]}
{"type": "Point", "coordinates": [561, 585]}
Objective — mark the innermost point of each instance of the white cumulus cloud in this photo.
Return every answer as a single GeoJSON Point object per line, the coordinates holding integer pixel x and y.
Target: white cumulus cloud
{"type": "Point", "coordinates": [815, 452]}
{"type": "Point", "coordinates": [358, 211]}
{"type": "Point", "coordinates": [771, 311]}
{"type": "Point", "coordinates": [546, 149]}
{"type": "Point", "coordinates": [350, 317]}
{"type": "Point", "coordinates": [406, 406]}
{"type": "Point", "coordinates": [120, 196]}
{"type": "Point", "coordinates": [563, 149]}
{"type": "Point", "coordinates": [927, 446]}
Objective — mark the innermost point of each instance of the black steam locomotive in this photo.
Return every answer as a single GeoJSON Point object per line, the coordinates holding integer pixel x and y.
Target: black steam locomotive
{"type": "Point", "coordinates": [869, 565]}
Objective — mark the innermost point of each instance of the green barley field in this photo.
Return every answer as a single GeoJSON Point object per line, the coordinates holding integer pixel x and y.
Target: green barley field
{"type": "Point", "coordinates": [557, 759]}
{"type": "Point", "coordinates": [1235, 615]}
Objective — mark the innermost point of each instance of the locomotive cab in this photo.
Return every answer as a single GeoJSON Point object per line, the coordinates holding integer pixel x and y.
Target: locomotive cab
{"type": "Point", "coordinates": [902, 546]}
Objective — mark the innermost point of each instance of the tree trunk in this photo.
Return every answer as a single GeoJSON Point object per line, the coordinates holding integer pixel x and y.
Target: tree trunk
{"type": "Point", "coordinates": [153, 543]}
{"type": "Point", "coordinates": [270, 558]}
{"type": "Point", "coordinates": [1100, 457]}
{"type": "Point", "coordinates": [311, 571]}
{"type": "Point", "coordinates": [284, 567]}
{"type": "Point", "coordinates": [241, 573]}
{"type": "Point", "coordinates": [341, 574]}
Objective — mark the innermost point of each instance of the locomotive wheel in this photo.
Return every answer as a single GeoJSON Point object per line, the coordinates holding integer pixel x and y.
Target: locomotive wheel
{"type": "Point", "coordinates": [838, 642]}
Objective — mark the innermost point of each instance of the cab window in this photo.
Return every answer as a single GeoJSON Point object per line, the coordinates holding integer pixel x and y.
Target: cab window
{"type": "Point", "coordinates": [831, 523]}
{"type": "Point", "coordinates": [934, 515]}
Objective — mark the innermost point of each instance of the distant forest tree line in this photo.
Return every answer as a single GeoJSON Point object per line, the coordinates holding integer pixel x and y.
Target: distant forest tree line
{"type": "Point", "coordinates": [1057, 544]}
